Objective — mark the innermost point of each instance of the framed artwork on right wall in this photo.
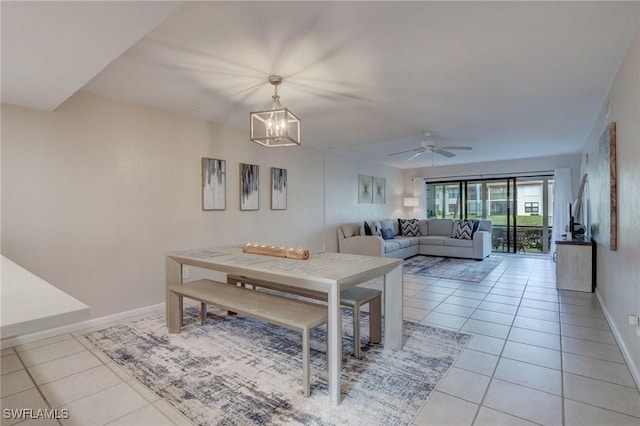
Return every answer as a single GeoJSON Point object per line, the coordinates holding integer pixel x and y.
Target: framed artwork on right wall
{"type": "Point", "coordinates": [608, 206]}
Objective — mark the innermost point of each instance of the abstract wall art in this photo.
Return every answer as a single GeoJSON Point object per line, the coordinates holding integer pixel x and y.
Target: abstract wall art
{"type": "Point", "coordinates": [249, 186]}
{"type": "Point", "coordinates": [379, 190]}
{"type": "Point", "coordinates": [278, 189]}
{"type": "Point", "coordinates": [608, 207]}
{"type": "Point", "coordinates": [372, 189]}
{"type": "Point", "coordinates": [214, 181]}
{"type": "Point", "coordinates": [365, 189]}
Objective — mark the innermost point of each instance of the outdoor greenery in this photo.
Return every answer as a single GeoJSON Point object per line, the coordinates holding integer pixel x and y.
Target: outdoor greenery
{"type": "Point", "coordinates": [520, 220]}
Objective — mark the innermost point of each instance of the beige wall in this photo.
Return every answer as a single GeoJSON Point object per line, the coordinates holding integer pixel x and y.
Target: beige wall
{"type": "Point", "coordinates": [618, 273]}
{"type": "Point", "coordinates": [94, 193]}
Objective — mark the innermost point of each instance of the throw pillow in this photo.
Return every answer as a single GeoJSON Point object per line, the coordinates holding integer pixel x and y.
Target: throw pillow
{"type": "Point", "coordinates": [367, 229]}
{"type": "Point", "coordinates": [388, 224]}
{"type": "Point", "coordinates": [378, 228]}
{"type": "Point", "coordinates": [476, 224]}
{"type": "Point", "coordinates": [387, 234]}
{"type": "Point", "coordinates": [464, 230]}
{"type": "Point", "coordinates": [409, 227]}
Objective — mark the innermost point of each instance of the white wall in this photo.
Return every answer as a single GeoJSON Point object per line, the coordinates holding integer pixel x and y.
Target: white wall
{"type": "Point", "coordinates": [95, 193]}
{"type": "Point", "coordinates": [341, 175]}
{"type": "Point", "coordinates": [618, 273]}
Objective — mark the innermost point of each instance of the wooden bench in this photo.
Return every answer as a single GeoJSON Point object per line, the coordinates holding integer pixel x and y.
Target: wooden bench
{"type": "Point", "coordinates": [353, 297]}
{"type": "Point", "coordinates": [283, 311]}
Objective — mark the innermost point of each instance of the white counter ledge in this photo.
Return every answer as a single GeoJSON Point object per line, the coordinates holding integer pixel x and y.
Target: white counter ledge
{"type": "Point", "coordinates": [30, 304]}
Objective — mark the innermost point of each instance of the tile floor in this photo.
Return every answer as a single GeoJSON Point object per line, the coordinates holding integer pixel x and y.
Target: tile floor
{"type": "Point", "coordinates": [538, 356]}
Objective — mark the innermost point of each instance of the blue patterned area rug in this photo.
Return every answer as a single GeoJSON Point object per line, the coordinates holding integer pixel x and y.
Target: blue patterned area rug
{"type": "Point", "coordinates": [451, 267]}
{"type": "Point", "coordinates": [239, 371]}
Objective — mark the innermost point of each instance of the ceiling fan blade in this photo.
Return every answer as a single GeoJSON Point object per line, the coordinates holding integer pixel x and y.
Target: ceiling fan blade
{"type": "Point", "coordinates": [417, 154]}
{"type": "Point", "coordinates": [441, 151]}
{"type": "Point", "coordinates": [404, 152]}
{"type": "Point", "coordinates": [466, 148]}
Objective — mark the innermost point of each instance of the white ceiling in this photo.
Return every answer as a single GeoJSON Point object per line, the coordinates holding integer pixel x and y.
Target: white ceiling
{"type": "Point", "coordinates": [50, 49]}
{"type": "Point", "coordinates": [511, 79]}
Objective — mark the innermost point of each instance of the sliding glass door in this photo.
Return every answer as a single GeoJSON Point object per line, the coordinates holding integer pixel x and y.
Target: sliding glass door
{"type": "Point", "coordinates": [520, 209]}
{"type": "Point", "coordinates": [443, 201]}
{"type": "Point", "coordinates": [534, 214]}
{"type": "Point", "coordinates": [493, 200]}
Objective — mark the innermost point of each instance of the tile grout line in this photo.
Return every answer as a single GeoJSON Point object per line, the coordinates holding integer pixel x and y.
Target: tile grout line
{"type": "Point", "coordinates": [493, 373]}
{"type": "Point", "coordinates": [562, 400]}
{"type": "Point", "coordinates": [37, 387]}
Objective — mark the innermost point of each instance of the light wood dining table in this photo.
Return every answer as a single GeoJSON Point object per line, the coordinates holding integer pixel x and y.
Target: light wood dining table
{"type": "Point", "coordinates": [327, 272]}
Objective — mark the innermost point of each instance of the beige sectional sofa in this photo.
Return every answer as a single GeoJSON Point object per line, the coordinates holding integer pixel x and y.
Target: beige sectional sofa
{"type": "Point", "coordinates": [435, 239]}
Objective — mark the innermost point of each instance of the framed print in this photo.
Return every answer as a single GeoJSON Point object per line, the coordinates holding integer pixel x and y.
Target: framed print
{"type": "Point", "coordinates": [365, 192]}
{"type": "Point", "coordinates": [249, 185]}
{"type": "Point", "coordinates": [379, 190]}
{"type": "Point", "coordinates": [214, 182]}
{"type": "Point", "coordinates": [607, 231]}
{"type": "Point", "coordinates": [278, 189]}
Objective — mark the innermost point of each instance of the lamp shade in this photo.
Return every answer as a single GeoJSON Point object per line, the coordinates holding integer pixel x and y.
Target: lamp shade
{"type": "Point", "coordinates": [411, 202]}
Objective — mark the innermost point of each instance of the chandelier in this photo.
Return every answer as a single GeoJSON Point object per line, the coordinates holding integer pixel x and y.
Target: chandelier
{"type": "Point", "coordinates": [276, 126]}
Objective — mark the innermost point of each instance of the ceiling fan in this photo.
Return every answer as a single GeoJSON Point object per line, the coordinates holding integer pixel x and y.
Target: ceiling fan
{"type": "Point", "coordinates": [429, 145]}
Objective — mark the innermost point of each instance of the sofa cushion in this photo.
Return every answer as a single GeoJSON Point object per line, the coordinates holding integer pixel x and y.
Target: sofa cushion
{"type": "Point", "coordinates": [414, 240]}
{"type": "Point", "coordinates": [376, 228]}
{"type": "Point", "coordinates": [423, 224]}
{"type": "Point", "coordinates": [387, 233]}
{"type": "Point", "coordinates": [453, 242]}
{"type": "Point", "coordinates": [403, 241]}
{"type": "Point", "coordinates": [485, 225]}
{"type": "Point", "coordinates": [433, 240]}
{"type": "Point", "coordinates": [463, 230]}
{"type": "Point", "coordinates": [391, 245]}
{"type": "Point", "coordinates": [351, 229]}
{"type": "Point", "coordinates": [409, 227]}
{"type": "Point", "coordinates": [443, 227]}
{"type": "Point", "coordinates": [388, 224]}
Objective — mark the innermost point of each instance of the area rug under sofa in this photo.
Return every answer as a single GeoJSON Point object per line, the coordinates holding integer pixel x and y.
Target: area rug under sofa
{"type": "Point", "coordinates": [450, 267]}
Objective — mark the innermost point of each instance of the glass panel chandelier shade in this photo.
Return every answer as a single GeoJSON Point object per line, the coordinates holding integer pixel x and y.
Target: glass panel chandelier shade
{"type": "Point", "coordinates": [276, 126]}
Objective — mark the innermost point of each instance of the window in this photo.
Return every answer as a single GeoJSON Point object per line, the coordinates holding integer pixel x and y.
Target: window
{"type": "Point", "coordinates": [531, 207]}
{"type": "Point", "coordinates": [498, 207]}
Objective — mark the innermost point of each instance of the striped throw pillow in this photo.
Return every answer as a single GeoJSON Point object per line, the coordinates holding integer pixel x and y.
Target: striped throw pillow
{"type": "Point", "coordinates": [409, 227]}
{"type": "Point", "coordinates": [464, 230]}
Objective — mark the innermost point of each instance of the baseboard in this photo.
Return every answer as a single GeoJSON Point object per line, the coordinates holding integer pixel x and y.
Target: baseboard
{"type": "Point", "coordinates": [28, 338]}
{"type": "Point", "coordinates": [633, 368]}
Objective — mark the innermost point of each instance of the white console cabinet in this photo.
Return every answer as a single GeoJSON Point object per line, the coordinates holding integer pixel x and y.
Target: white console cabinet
{"type": "Point", "coordinates": [575, 265]}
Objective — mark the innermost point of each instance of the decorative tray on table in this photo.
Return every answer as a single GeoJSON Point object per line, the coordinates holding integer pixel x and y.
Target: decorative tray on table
{"type": "Point", "coordinates": [270, 250]}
